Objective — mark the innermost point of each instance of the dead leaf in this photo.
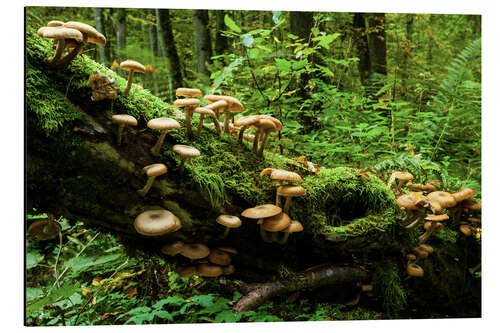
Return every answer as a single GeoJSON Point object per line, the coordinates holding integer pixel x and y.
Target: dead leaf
{"type": "Point", "coordinates": [131, 292]}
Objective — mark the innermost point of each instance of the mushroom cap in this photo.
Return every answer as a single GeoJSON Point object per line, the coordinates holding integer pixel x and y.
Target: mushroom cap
{"type": "Point", "coordinates": [227, 249]}
{"type": "Point", "coordinates": [438, 226]}
{"type": "Point", "coordinates": [163, 123]}
{"type": "Point", "coordinates": [228, 270]}
{"type": "Point", "coordinates": [421, 187]}
{"type": "Point", "coordinates": [185, 271]}
{"type": "Point", "coordinates": [445, 199]}
{"type": "Point", "coordinates": [173, 248]}
{"type": "Point", "coordinates": [474, 219]}
{"type": "Point", "coordinates": [188, 92]}
{"type": "Point", "coordinates": [229, 221]}
{"type": "Point", "coordinates": [195, 251]}
{"type": "Point", "coordinates": [465, 229]}
{"type": "Point", "coordinates": [409, 201]}
{"type": "Point", "coordinates": [233, 105]}
{"type": "Point", "coordinates": [433, 182]}
{"type": "Point", "coordinates": [178, 224]}
{"type": "Point", "coordinates": [124, 119]}
{"type": "Point", "coordinates": [219, 257]}
{"type": "Point", "coordinates": [420, 252]}
{"type": "Point", "coordinates": [132, 65]}
{"type": "Point", "coordinates": [472, 204]}
{"type": "Point", "coordinates": [186, 102]}
{"type": "Point", "coordinates": [43, 229]}
{"type": "Point", "coordinates": [262, 211]}
{"type": "Point", "coordinates": [277, 124]}
{"type": "Point", "coordinates": [155, 222]}
{"type": "Point", "coordinates": [246, 121]}
{"type": "Point", "coordinates": [414, 270]}
{"type": "Point", "coordinates": [266, 125]}
{"type": "Point", "coordinates": [217, 105]}
{"type": "Point", "coordinates": [403, 175]}
{"type": "Point", "coordinates": [278, 174]}
{"type": "Point", "coordinates": [294, 226]}
{"type": "Point", "coordinates": [291, 190]}
{"type": "Point", "coordinates": [60, 32]}
{"type": "Point", "coordinates": [209, 270]}
{"type": "Point", "coordinates": [276, 222]}
{"type": "Point", "coordinates": [93, 35]}
{"type": "Point", "coordinates": [436, 218]}
{"type": "Point", "coordinates": [186, 151]}
{"type": "Point", "coordinates": [205, 111]}
{"type": "Point", "coordinates": [411, 256]}
{"type": "Point", "coordinates": [463, 194]}
{"type": "Point", "coordinates": [154, 170]}
{"type": "Point", "coordinates": [266, 171]}
{"type": "Point", "coordinates": [426, 248]}
{"type": "Point", "coordinates": [55, 23]}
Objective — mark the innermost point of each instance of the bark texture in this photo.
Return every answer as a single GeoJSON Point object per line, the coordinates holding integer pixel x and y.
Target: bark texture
{"type": "Point", "coordinates": [121, 32]}
{"type": "Point", "coordinates": [202, 41]}
{"type": "Point", "coordinates": [99, 24]}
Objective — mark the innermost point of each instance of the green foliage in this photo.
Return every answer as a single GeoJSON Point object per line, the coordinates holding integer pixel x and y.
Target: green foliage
{"type": "Point", "coordinates": [388, 284]}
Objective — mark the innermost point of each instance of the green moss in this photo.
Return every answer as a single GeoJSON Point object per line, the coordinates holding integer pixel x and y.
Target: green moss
{"type": "Point", "coordinates": [388, 284]}
{"type": "Point", "coordinates": [446, 235]}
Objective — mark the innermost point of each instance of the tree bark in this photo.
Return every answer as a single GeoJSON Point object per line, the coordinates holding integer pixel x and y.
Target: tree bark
{"type": "Point", "coordinates": [99, 24]}
{"type": "Point", "coordinates": [361, 42]}
{"type": "Point", "coordinates": [203, 42]}
{"type": "Point", "coordinates": [168, 44]}
{"type": "Point", "coordinates": [221, 43]}
{"type": "Point", "coordinates": [121, 32]}
{"type": "Point", "coordinates": [377, 43]}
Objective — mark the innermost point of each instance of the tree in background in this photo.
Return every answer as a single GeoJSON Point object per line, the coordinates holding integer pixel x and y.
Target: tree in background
{"type": "Point", "coordinates": [121, 32]}
{"type": "Point", "coordinates": [202, 41]}
{"type": "Point", "coordinates": [99, 24]}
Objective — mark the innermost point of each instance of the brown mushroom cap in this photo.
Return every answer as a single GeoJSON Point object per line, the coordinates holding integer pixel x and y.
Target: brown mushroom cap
{"type": "Point", "coordinates": [465, 229]}
{"type": "Point", "coordinates": [421, 187]}
{"type": "Point", "coordinates": [411, 256]}
{"type": "Point", "coordinates": [474, 219]}
{"type": "Point", "coordinates": [262, 211]}
{"type": "Point", "coordinates": [246, 121]}
{"type": "Point", "coordinates": [219, 257]}
{"type": "Point", "coordinates": [186, 151]}
{"type": "Point", "coordinates": [204, 111]}
{"type": "Point", "coordinates": [276, 222]}
{"type": "Point", "coordinates": [94, 36]}
{"type": "Point", "coordinates": [186, 271]}
{"type": "Point", "coordinates": [227, 249]}
{"type": "Point", "coordinates": [266, 171]}
{"type": "Point", "coordinates": [154, 170]}
{"type": "Point", "coordinates": [445, 199]}
{"type": "Point", "coordinates": [124, 119]}
{"type": "Point", "coordinates": [420, 252]}
{"type": "Point", "coordinates": [228, 270]}
{"type": "Point", "coordinates": [163, 123]}
{"type": "Point", "coordinates": [43, 229]}
{"type": "Point", "coordinates": [284, 175]}
{"type": "Point", "coordinates": [55, 23]}
{"type": "Point", "coordinates": [155, 222]}
{"type": "Point", "coordinates": [463, 194]}
{"type": "Point", "coordinates": [291, 190]}
{"type": "Point", "coordinates": [229, 221]}
{"type": "Point", "coordinates": [437, 218]}
{"type": "Point", "coordinates": [414, 270]}
{"type": "Point", "coordinates": [294, 226]}
{"type": "Point", "coordinates": [433, 182]}
{"type": "Point", "coordinates": [403, 175]}
{"type": "Point", "coordinates": [217, 105]}
{"type": "Point", "coordinates": [409, 201]}
{"type": "Point", "coordinates": [195, 251]}
{"type": "Point", "coordinates": [426, 248]}
{"type": "Point", "coordinates": [233, 105]}
{"type": "Point", "coordinates": [60, 32]}
{"type": "Point", "coordinates": [277, 124]}
{"type": "Point", "coordinates": [209, 270]}
{"type": "Point", "coordinates": [471, 204]}
{"type": "Point", "coordinates": [186, 102]}
{"type": "Point", "coordinates": [173, 248]}
{"type": "Point", "coordinates": [132, 65]}
{"type": "Point", "coordinates": [188, 92]}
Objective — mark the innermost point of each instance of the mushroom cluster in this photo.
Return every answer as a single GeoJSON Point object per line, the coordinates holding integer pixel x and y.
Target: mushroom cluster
{"type": "Point", "coordinates": [419, 252]}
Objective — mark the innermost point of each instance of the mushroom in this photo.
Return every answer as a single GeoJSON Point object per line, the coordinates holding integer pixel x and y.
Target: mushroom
{"type": "Point", "coordinates": [274, 224]}
{"type": "Point", "coordinates": [217, 107]}
{"type": "Point", "coordinates": [401, 176]}
{"type": "Point", "coordinates": [123, 120]}
{"type": "Point", "coordinates": [59, 34]}
{"type": "Point", "coordinates": [163, 124]}
{"type": "Point", "coordinates": [245, 122]}
{"type": "Point", "coordinates": [195, 251]}
{"type": "Point", "coordinates": [173, 248]}
{"type": "Point", "coordinates": [203, 112]}
{"type": "Point", "coordinates": [414, 212]}
{"type": "Point", "coordinates": [294, 226]}
{"type": "Point", "coordinates": [414, 270]}
{"type": "Point", "coordinates": [432, 226]}
{"type": "Point", "coordinates": [185, 152]}
{"type": "Point", "coordinates": [43, 229]}
{"type": "Point", "coordinates": [460, 197]}
{"type": "Point", "coordinates": [228, 270]}
{"type": "Point", "coordinates": [445, 199]}
{"type": "Point", "coordinates": [185, 271]}
{"type": "Point", "coordinates": [132, 67]}
{"type": "Point", "coordinates": [156, 222]}
{"type": "Point", "coordinates": [152, 171]}
{"type": "Point", "coordinates": [261, 212]}
{"type": "Point", "coordinates": [90, 35]}
{"type": "Point", "coordinates": [209, 270]}
{"type": "Point", "coordinates": [219, 257]}
{"type": "Point", "coordinates": [229, 221]}
{"type": "Point", "coordinates": [188, 104]}
{"type": "Point", "coordinates": [421, 187]}
{"type": "Point", "coordinates": [420, 252]}
{"type": "Point", "coordinates": [281, 175]}
{"type": "Point", "coordinates": [227, 249]}
{"type": "Point", "coordinates": [233, 105]}
{"type": "Point", "coordinates": [465, 229]}
{"type": "Point", "coordinates": [290, 191]}
{"type": "Point", "coordinates": [188, 92]}
{"type": "Point", "coordinates": [267, 124]}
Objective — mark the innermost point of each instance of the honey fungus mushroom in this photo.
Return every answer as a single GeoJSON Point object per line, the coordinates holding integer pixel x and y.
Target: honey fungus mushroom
{"type": "Point", "coordinates": [414, 270]}
{"type": "Point", "coordinates": [274, 224]}
{"type": "Point", "coordinates": [294, 226]}
{"type": "Point", "coordinates": [185, 152]}
{"type": "Point", "coordinates": [59, 34]}
{"type": "Point", "coordinates": [163, 124]}
{"type": "Point", "coordinates": [290, 191]}
{"type": "Point", "coordinates": [260, 213]}
{"type": "Point", "coordinates": [195, 251]}
{"type": "Point", "coordinates": [44, 229]}
{"type": "Point", "coordinates": [401, 177]}
{"type": "Point", "coordinates": [156, 222]}
{"type": "Point", "coordinates": [244, 122]}
{"type": "Point", "coordinates": [188, 104]}
{"type": "Point", "coordinates": [132, 67]}
{"type": "Point", "coordinates": [90, 35]}
{"type": "Point", "coordinates": [203, 112]}
{"type": "Point", "coordinates": [152, 171]}
{"type": "Point", "coordinates": [172, 249]}
{"type": "Point", "coordinates": [281, 176]}
{"type": "Point", "coordinates": [219, 257]}
{"type": "Point", "coordinates": [233, 105]}
{"type": "Point", "coordinates": [433, 225]}
{"type": "Point", "coordinates": [230, 222]}
{"type": "Point", "coordinates": [123, 120]}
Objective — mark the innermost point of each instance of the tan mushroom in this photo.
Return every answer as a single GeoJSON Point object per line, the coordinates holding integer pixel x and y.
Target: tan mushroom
{"type": "Point", "coordinates": [195, 251]}
{"type": "Point", "coordinates": [228, 270]}
{"type": "Point", "coordinates": [245, 122]}
{"type": "Point", "coordinates": [401, 177]}
{"type": "Point", "coordinates": [152, 171]}
{"type": "Point", "coordinates": [414, 270]}
{"type": "Point", "coordinates": [132, 67]}
{"type": "Point", "coordinates": [155, 222]}
{"type": "Point", "coordinates": [60, 34]}
{"type": "Point", "coordinates": [185, 152]}
{"type": "Point", "coordinates": [233, 105]}
{"type": "Point", "coordinates": [281, 176]}
{"type": "Point", "coordinates": [260, 213]}
{"type": "Point", "coordinates": [219, 257]}
{"type": "Point", "coordinates": [266, 125]}
{"type": "Point", "coordinates": [123, 120]}
{"type": "Point", "coordinates": [274, 224]}
{"type": "Point", "coordinates": [203, 112]}
{"type": "Point", "coordinates": [293, 227]}
{"type": "Point", "coordinates": [432, 227]}
{"type": "Point", "coordinates": [290, 191]}
{"type": "Point", "coordinates": [209, 270]}
{"type": "Point", "coordinates": [188, 104]}
{"type": "Point", "coordinates": [163, 124]}
{"type": "Point", "coordinates": [188, 92]}
{"type": "Point", "coordinates": [185, 271]}
{"type": "Point", "coordinates": [217, 107]}
{"type": "Point", "coordinates": [421, 187]}
{"type": "Point", "coordinates": [172, 249]}
{"type": "Point", "coordinates": [44, 228]}
{"type": "Point", "coordinates": [230, 222]}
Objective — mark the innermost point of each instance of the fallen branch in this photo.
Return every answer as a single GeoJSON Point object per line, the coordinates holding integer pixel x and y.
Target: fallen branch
{"type": "Point", "coordinates": [309, 279]}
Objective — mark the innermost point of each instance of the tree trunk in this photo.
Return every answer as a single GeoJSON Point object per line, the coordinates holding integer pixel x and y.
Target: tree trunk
{"type": "Point", "coordinates": [153, 34]}
{"type": "Point", "coordinates": [377, 43]}
{"type": "Point", "coordinates": [221, 43]}
{"type": "Point", "coordinates": [168, 43]}
{"type": "Point", "coordinates": [203, 42]}
{"type": "Point", "coordinates": [99, 24]}
{"type": "Point", "coordinates": [361, 43]}
{"type": "Point", "coordinates": [121, 32]}
{"type": "Point", "coordinates": [407, 52]}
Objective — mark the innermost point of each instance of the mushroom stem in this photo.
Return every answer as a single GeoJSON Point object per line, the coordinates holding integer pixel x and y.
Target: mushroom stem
{"type": "Point", "coordinates": [69, 57]}
{"type": "Point", "coordinates": [120, 132]}
{"type": "Point", "coordinates": [226, 121]}
{"type": "Point", "coordinates": [216, 125]}
{"type": "Point", "coordinates": [181, 166]}
{"type": "Point", "coordinates": [280, 182]}
{"type": "Point", "coordinates": [61, 44]}
{"type": "Point", "coordinates": [129, 82]}
{"type": "Point", "coordinates": [200, 125]}
{"type": "Point", "coordinates": [256, 140]}
{"type": "Point", "coordinates": [226, 232]}
{"type": "Point", "coordinates": [263, 143]}
{"type": "Point", "coordinates": [400, 183]}
{"type": "Point", "coordinates": [265, 236]}
{"type": "Point", "coordinates": [422, 238]}
{"type": "Point", "coordinates": [155, 150]}
{"type": "Point", "coordinates": [145, 189]}
{"type": "Point", "coordinates": [282, 240]}
{"type": "Point", "coordinates": [240, 135]}
{"type": "Point", "coordinates": [414, 222]}
{"type": "Point", "coordinates": [188, 112]}
{"type": "Point", "coordinates": [287, 204]}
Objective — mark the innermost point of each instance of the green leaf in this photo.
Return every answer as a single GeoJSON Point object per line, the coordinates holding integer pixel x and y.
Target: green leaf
{"type": "Point", "coordinates": [324, 41]}
{"type": "Point", "coordinates": [277, 16]}
{"type": "Point", "coordinates": [32, 293]}
{"type": "Point", "coordinates": [203, 300]}
{"type": "Point", "coordinates": [228, 316]}
{"type": "Point", "coordinates": [231, 24]}
{"type": "Point", "coordinates": [82, 264]}
{"type": "Point", "coordinates": [283, 65]}
{"type": "Point", "coordinates": [33, 257]}
{"type": "Point", "coordinates": [55, 296]}
{"type": "Point", "coordinates": [247, 40]}
{"type": "Point", "coordinates": [170, 300]}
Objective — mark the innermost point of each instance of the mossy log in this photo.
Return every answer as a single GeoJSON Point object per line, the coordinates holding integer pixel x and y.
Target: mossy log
{"type": "Point", "coordinates": [75, 169]}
